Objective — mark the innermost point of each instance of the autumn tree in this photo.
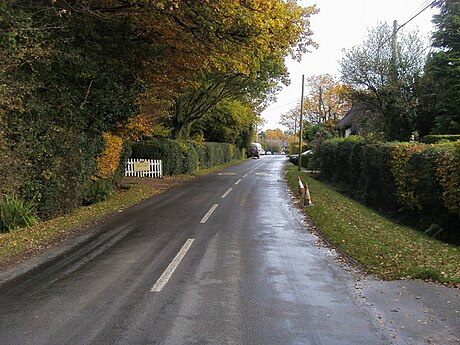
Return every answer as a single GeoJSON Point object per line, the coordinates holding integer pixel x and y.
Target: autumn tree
{"type": "Point", "coordinates": [325, 102]}
{"type": "Point", "coordinates": [255, 90]}
{"type": "Point", "coordinates": [267, 32]}
{"type": "Point", "coordinates": [274, 139]}
{"type": "Point", "coordinates": [385, 79]}
{"type": "Point", "coordinates": [275, 134]}
{"type": "Point", "coordinates": [230, 121]}
{"type": "Point", "coordinates": [290, 120]}
{"type": "Point", "coordinates": [73, 71]}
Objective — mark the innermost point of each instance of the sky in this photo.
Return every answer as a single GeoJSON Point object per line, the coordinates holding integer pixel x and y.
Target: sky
{"type": "Point", "coordinates": [341, 25]}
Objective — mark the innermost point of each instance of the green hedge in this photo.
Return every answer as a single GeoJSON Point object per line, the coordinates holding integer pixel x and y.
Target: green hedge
{"type": "Point", "coordinates": [57, 166]}
{"type": "Point", "coordinates": [415, 180]}
{"type": "Point", "coordinates": [185, 157]}
{"type": "Point", "coordinates": [433, 139]}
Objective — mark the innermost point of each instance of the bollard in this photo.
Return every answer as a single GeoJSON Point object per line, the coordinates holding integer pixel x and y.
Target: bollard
{"type": "Point", "coordinates": [301, 187]}
{"type": "Point", "coordinates": [307, 197]}
{"type": "Point", "coordinates": [304, 192]}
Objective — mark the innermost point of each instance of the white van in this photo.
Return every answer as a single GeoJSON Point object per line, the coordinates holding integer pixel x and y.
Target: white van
{"type": "Point", "coordinates": [259, 148]}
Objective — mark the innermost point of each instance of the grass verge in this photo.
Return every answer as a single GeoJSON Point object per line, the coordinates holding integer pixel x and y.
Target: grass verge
{"type": "Point", "coordinates": [383, 247]}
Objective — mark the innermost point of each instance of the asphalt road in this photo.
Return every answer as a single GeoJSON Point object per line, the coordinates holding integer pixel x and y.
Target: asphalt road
{"type": "Point", "coordinates": [224, 259]}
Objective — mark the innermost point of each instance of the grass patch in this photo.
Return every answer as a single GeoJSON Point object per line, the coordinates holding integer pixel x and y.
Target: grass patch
{"type": "Point", "coordinates": [383, 247]}
{"type": "Point", "coordinates": [15, 213]}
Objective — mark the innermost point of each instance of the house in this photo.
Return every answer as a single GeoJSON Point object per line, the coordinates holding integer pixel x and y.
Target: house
{"type": "Point", "coordinates": [355, 120]}
{"type": "Point", "coordinates": [345, 126]}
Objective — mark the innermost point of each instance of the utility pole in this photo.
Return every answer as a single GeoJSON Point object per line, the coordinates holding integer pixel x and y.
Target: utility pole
{"type": "Point", "coordinates": [320, 103]}
{"type": "Point", "coordinates": [393, 41]}
{"type": "Point", "coordinates": [295, 125]}
{"type": "Point", "coordinates": [394, 52]}
{"type": "Point", "coordinates": [301, 126]}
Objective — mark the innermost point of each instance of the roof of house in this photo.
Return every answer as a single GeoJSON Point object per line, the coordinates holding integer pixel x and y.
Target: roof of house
{"type": "Point", "coordinates": [347, 121]}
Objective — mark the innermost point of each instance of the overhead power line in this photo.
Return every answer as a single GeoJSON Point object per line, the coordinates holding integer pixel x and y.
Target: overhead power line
{"type": "Point", "coordinates": [284, 105]}
{"type": "Point", "coordinates": [408, 21]}
{"type": "Point", "coordinates": [431, 4]}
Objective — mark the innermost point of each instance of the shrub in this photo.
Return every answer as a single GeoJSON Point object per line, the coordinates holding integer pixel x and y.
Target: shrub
{"type": "Point", "coordinates": [405, 178]}
{"type": "Point", "coordinates": [189, 158]}
{"type": "Point", "coordinates": [98, 190]}
{"type": "Point", "coordinates": [185, 157]}
{"type": "Point", "coordinates": [326, 154]}
{"type": "Point", "coordinates": [448, 173]}
{"type": "Point", "coordinates": [433, 139]}
{"type": "Point", "coordinates": [58, 168]}
{"type": "Point", "coordinates": [16, 213]}
{"type": "Point", "coordinates": [109, 160]}
{"type": "Point", "coordinates": [166, 150]}
{"type": "Point", "coordinates": [419, 181]}
{"type": "Point", "coordinates": [378, 181]}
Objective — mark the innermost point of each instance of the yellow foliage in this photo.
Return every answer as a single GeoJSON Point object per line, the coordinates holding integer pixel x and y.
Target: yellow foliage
{"type": "Point", "coordinates": [404, 179]}
{"type": "Point", "coordinates": [448, 174]}
{"type": "Point", "coordinates": [275, 134]}
{"type": "Point", "coordinates": [139, 126]}
{"type": "Point", "coordinates": [109, 160]}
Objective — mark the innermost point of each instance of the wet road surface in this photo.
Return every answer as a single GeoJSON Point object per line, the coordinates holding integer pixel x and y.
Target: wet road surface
{"type": "Point", "coordinates": [225, 259]}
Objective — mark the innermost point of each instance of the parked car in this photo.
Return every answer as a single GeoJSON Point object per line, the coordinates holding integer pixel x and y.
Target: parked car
{"type": "Point", "coordinates": [294, 159]}
{"type": "Point", "coordinates": [252, 151]}
{"type": "Point", "coordinates": [268, 152]}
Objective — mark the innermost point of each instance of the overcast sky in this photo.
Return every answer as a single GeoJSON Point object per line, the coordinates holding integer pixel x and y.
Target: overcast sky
{"type": "Point", "coordinates": [341, 25]}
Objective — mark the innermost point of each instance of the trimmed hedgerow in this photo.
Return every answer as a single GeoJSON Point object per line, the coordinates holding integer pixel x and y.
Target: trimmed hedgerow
{"type": "Point", "coordinates": [433, 139]}
{"type": "Point", "coordinates": [185, 157]}
{"type": "Point", "coordinates": [448, 174]}
{"type": "Point", "coordinates": [377, 181]}
{"type": "Point", "coordinates": [416, 180]}
{"type": "Point", "coordinates": [166, 150]}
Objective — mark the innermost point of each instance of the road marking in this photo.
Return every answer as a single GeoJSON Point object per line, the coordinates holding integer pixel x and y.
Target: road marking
{"type": "Point", "coordinates": [226, 174]}
{"type": "Point", "coordinates": [237, 182]}
{"type": "Point", "coordinates": [245, 175]}
{"type": "Point", "coordinates": [167, 274]}
{"type": "Point", "coordinates": [207, 215]}
{"type": "Point", "coordinates": [226, 193]}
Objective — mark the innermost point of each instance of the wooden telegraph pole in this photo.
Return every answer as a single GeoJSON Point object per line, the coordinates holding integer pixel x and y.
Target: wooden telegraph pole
{"type": "Point", "coordinates": [301, 127]}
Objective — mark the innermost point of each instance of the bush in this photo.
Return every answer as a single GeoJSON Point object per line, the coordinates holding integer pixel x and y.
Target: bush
{"type": "Point", "coordinates": [97, 191]}
{"type": "Point", "coordinates": [433, 139]}
{"type": "Point", "coordinates": [58, 167]}
{"type": "Point", "coordinates": [419, 181]}
{"type": "Point", "coordinates": [185, 157]}
{"type": "Point", "coordinates": [109, 160]}
{"type": "Point", "coordinates": [16, 213]}
{"type": "Point", "coordinates": [166, 150]}
{"type": "Point", "coordinates": [327, 161]}
{"type": "Point", "coordinates": [379, 190]}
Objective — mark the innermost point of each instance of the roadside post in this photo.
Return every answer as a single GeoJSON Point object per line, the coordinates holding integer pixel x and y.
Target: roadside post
{"type": "Point", "coordinates": [304, 192]}
{"type": "Point", "coordinates": [307, 197]}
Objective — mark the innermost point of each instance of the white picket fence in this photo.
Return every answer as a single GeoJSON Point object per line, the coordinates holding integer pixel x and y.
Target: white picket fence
{"type": "Point", "coordinates": [144, 168]}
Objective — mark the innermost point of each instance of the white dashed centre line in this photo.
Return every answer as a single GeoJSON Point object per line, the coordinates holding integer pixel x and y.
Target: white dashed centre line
{"type": "Point", "coordinates": [238, 182]}
{"type": "Point", "coordinates": [167, 274]}
{"type": "Point", "coordinates": [226, 193]}
{"type": "Point", "coordinates": [207, 215]}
